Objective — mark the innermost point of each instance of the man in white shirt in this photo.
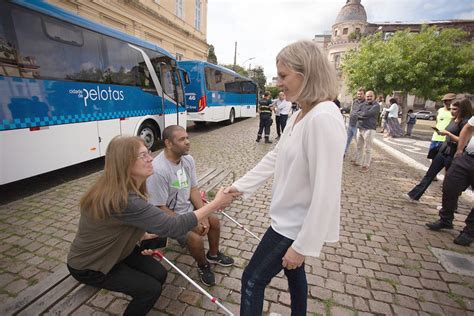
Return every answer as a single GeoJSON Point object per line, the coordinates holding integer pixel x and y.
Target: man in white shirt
{"type": "Point", "coordinates": [282, 108]}
{"type": "Point", "coordinates": [459, 177]}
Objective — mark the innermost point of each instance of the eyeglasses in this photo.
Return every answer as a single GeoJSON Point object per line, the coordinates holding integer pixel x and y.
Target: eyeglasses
{"type": "Point", "coordinates": [145, 155]}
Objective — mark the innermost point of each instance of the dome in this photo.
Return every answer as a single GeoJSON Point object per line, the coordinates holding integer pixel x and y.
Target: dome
{"type": "Point", "coordinates": [352, 11]}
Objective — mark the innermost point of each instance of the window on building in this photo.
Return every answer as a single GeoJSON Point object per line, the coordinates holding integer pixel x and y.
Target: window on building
{"type": "Point", "coordinates": [337, 61]}
{"type": "Point", "coordinates": [197, 20]}
{"type": "Point", "coordinates": [179, 9]}
{"type": "Point", "coordinates": [345, 31]}
{"type": "Point", "coordinates": [357, 30]}
{"type": "Point", "coordinates": [336, 33]}
{"type": "Point", "coordinates": [179, 56]}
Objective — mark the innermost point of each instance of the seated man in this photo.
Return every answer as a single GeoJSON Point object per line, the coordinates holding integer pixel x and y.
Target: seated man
{"type": "Point", "coordinates": [173, 188]}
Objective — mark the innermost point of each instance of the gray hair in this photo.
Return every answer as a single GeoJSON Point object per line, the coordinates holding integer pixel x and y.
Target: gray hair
{"type": "Point", "coordinates": [319, 76]}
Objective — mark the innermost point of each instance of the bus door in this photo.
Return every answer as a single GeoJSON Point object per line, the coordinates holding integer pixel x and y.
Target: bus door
{"type": "Point", "coordinates": [249, 98]}
{"type": "Point", "coordinates": [153, 84]}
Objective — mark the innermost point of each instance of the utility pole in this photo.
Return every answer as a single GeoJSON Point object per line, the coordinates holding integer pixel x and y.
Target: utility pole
{"type": "Point", "coordinates": [235, 56]}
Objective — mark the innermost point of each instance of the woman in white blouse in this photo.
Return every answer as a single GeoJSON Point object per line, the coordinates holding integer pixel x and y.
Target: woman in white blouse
{"type": "Point", "coordinates": [393, 126]}
{"type": "Point", "coordinates": [306, 166]}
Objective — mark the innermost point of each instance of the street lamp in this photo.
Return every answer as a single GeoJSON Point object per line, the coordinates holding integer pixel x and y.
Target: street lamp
{"type": "Point", "coordinates": [248, 59]}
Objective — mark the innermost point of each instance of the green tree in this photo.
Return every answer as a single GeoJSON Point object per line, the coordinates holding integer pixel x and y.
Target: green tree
{"type": "Point", "coordinates": [428, 64]}
{"type": "Point", "coordinates": [211, 55]}
{"type": "Point", "coordinates": [258, 75]}
{"type": "Point", "coordinates": [238, 69]}
{"type": "Point", "coordinates": [274, 91]}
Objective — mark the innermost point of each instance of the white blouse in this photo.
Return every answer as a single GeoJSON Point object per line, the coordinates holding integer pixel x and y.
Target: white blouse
{"type": "Point", "coordinates": [307, 168]}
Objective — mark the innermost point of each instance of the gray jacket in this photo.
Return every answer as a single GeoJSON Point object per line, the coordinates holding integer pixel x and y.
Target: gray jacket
{"type": "Point", "coordinates": [354, 108]}
{"type": "Point", "coordinates": [367, 115]}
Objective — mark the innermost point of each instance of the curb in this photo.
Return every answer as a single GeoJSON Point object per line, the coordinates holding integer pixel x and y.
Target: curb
{"type": "Point", "coordinates": [413, 163]}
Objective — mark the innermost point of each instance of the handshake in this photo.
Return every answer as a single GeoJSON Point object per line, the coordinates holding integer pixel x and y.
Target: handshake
{"type": "Point", "coordinates": [224, 197]}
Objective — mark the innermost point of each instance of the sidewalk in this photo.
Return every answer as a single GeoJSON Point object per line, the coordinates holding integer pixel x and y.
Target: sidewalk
{"type": "Point", "coordinates": [381, 265]}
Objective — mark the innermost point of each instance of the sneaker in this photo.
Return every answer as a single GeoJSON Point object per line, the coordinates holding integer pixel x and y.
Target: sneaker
{"type": "Point", "coordinates": [221, 259]}
{"type": "Point", "coordinates": [463, 239]}
{"type": "Point", "coordinates": [267, 141]}
{"type": "Point", "coordinates": [439, 225]}
{"type": "Point", "coordinates": [206, 275]}
{"type": "Point", "coordinates": [409, 199]}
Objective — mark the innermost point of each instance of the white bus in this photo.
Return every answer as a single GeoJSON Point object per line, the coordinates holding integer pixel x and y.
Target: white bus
{"type": "Point", "coordinates": [68, 86]}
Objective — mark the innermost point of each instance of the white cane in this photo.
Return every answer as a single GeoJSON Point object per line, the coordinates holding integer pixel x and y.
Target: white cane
{"type": "Point", "coordinates": [159, 256]}
{"type": "Point", "coordinates": [240, 225]}
{"type": "Point", "coordinates": [203, 197]}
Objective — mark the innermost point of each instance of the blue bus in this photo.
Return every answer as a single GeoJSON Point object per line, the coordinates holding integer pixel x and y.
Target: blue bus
{"type": "Point", "coordinates": [216, 93]}
{"type": "Point", "coordinates": [69, 85]}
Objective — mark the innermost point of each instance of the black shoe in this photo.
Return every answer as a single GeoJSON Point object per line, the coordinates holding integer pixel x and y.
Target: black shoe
{"type": "Point", "coordinates": [463, 239]}
{"type": "Point", "coordinates": [267, 141]}
{"type": "Point", "coordinates": [221, 259]}
{"type": "Point", "coordinates": [439, 225]}
{"type": "Point", "coordinates": [206, 275]}
{"type": "Point", "coordinates": [258, 139]}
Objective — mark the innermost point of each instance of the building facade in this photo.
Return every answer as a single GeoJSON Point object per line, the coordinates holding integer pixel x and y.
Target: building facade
{"type": "Point", "coordinates": [179, 26]}
{"type": "Point", "coordinates": [351, 25]}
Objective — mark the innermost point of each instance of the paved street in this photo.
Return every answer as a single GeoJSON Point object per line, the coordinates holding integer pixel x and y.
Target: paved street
{"type": "Point", "coordinates": [381, 265]}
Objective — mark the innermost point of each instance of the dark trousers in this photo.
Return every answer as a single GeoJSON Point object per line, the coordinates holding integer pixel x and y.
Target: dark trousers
{"type": "Point", "coordinates": [263, 266]}
{"type": "Point", "coordinates": [280, 122]}
{"type": "Point", "coordinates": [141, 277]}
{"type": "Point", "coordinates": [439, 162]}
{"type": "Point", "coordinates": [459, 177]}
{"type": "Point", "coordinates": [265, 122]}
{"type": "Point", "coordinates": [278, 125]}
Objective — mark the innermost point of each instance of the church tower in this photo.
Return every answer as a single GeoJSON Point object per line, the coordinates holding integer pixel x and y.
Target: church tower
{"type": "Point", "coordinates": [350, 24]}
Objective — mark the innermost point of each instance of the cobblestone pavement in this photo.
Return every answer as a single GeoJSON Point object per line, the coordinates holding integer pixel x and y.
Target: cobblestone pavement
{"type": "Point", "coordinates": [381, 265]}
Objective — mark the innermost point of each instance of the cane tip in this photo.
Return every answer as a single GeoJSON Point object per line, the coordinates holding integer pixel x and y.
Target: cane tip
{"type": "Point", "coordinates": [213, 299]}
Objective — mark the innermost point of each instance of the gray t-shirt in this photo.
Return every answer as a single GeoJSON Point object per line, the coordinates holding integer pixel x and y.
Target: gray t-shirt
{"type": "Point", "coordinates": [171, 183]}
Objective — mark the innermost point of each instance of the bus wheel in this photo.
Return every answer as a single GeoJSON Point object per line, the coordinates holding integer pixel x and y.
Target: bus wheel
{"type": "Point", "coordinates": [231, 119]}
{"type": "Point", "coordinates": [149, 134]}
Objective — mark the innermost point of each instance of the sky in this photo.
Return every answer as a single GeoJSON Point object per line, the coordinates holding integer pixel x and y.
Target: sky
{"type": "Point", "coordinates": [262, 28]}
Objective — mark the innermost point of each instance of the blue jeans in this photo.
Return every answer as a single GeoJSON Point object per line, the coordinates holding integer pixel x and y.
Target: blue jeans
{"type": "Point", "coordinates": [263, 266]}
{"type": "Point", "coordinates": [351, 132]}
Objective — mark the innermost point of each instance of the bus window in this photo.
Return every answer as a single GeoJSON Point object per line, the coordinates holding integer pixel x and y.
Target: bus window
{"type": "Point", "coordinates": [145, 80]}
{"type": "Point", "coordinates": [232, 87]}
{"type": "Point", "coordinates": [166, 76]}
{"type": "Point", "coordinates": [47, 58]}
{"type": "Point", "coordinates": [65, 33]}
{"type": "Point", "coordinates": [120, 62]}
{"type": "Point", "coordinates": [249, 87]}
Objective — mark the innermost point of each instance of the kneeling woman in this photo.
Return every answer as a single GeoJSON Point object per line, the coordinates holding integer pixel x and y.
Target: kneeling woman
{"type": "Point", "coordinates": [115, 217]}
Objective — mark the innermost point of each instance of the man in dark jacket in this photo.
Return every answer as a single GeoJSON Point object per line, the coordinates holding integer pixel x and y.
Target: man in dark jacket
{"type": "Point", "coordinates": [265, 109]}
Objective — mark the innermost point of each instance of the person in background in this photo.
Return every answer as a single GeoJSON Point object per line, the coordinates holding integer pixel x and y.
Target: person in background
{"type": "Point", "coordinates": [367, 123]}
{"type": "Point", "coordinates": [393, 126]}
{"type": "Point", "coordinates": [458, 178]}
{"type": "Point", "coordinates": [411, 121]}
{"type": "Point", "coordinates": [306, 166]}
{"type": "Point", "coordinates": [116, 217]}
{"type": "Point", "coordinates": [462, 112]}
{"type": "Point", "coordinates": [352, 126]}
{"type": "Point", "coordinates": [443, 118]}
{"type": "Point", "coordinates": [265, 111]}
{"type": "Point", "coordinates": [282, 110]}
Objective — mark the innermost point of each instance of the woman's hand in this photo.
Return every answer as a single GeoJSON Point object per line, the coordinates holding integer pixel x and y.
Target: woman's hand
{"type": "Point", "coordinates": [292, 259]}
{"type": "Point", "coordinates": [444, 132]}
{"type": "Point", "coordinates": [147, 252]}
{"type": "Point", "coordinates": [224, 199]}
